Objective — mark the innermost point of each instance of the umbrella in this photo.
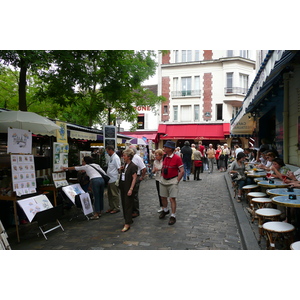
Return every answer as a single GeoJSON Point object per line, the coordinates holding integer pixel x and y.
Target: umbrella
{"type": "Point", "coordinates": [26, 120]}
{"type": "Point", "coordinates": [138, 141]}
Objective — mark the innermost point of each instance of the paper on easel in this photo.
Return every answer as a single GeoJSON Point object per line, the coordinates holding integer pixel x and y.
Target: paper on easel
{"type": "Point", "coordinates": [31, 206]}
{"type": "Point", "coordinates": [73, 190]}
{"type": "Point", "coordinates": [86, 203]}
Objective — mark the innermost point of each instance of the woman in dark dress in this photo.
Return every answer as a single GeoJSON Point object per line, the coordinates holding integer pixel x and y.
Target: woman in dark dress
{"type": "Point", "coordinates": [127, 181]}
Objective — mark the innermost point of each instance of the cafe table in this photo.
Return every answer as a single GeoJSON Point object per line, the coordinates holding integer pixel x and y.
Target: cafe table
{"type": "Point", "coordinates": [294, 203]}
{"type": "Point", "coordinates": [276, 184]}
{"type": "Point", "coordinates": [254, 174]}
{"type": "Point", "coordinates": [282, 192]}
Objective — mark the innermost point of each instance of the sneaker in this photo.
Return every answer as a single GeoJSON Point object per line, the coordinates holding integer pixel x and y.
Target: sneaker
{"type": "Point", "coordinates": [172, 221]}
{"type": "Point", "coordinates": [160, 210]}
{"type": "Point", "coordinates": [163, 214]}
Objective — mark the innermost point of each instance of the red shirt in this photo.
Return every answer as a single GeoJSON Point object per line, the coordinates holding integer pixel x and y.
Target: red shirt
{"type": "Point", "coordinates": [171, 164]}
{"type": "Point", "coordinates": [201, 149]}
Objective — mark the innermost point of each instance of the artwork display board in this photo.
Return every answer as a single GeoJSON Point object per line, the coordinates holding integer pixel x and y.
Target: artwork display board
{"type": "Point", "coordinates": [86, 203]}
{"type": "Point", "coordinates": [31, 206]}
{"type": "Point", "coordinates": [60, 156]}
{"type": "Point", "coordinates": [60, 179]}
{"type": "Point", "coordinates": [110, 136]}
{"type": "Point", "coordinates": [19, 141]}
{"type": "Point", "coordinates": [23, 174]}
{"type": "Point", "coordinates": [73, 190]}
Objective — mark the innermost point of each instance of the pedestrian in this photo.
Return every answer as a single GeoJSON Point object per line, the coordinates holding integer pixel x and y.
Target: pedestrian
{"type": "Point", "coordinates": [218, 152]}
{"type": "Point", "coordinates": [113, 193]}
{"type": "Point", "coordinates": [193, 146]}
{"type": "Point", "coordinates": [202, 151]}
{"type": "Point", "coordinates": [226, 151]}
{"type": "Point", "coordinates": [97, 182]}
{"type": "Point", "coordinates": [157, 166]}
{"type": "Point", "coordinates": [128, 178]}
{"type": "Point", "coordinates": [222, 160]}
{"type": "Point", "coordinates": [237, 150]}
{"type": "Point", "coordinates": [186, 155]}
{"type": "Point", "coordinates": [172, 172]}
{"type": "Point", "coordinates": [197, 164]}
{"type": "Point", "coordinates": [210, 153]}
{"type": "Point", "coordinates": [138, 161]}
{"type": "Point", "coordinates": [177, 151]}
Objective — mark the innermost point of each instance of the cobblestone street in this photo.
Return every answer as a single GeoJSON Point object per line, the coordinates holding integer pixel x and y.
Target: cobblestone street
{"type": "Point", "coordinates": [205, 221]}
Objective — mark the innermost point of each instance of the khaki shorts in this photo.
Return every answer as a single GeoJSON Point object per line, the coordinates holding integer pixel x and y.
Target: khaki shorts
{"type": "Point", "coordinates": [170, 190]}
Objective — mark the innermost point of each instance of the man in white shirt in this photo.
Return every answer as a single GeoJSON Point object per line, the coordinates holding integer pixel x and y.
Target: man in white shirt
{"type": "Point", "coordinates": [138, 161]}
{"type": "Point", "coordinates": [237, 150]}
{"type": "Point", "coordinates": [114, 164]}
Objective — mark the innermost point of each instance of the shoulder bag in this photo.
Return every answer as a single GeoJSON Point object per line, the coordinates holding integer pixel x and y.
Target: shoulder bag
{"type": "Point", "coordinates": [104, 176]}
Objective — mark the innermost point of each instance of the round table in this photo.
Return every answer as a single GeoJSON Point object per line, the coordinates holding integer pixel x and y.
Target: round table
{"type": "Point", "coordinates": [283, 192]}
{"type": "Point", "coordinates": [276, 184]}
{"type": "Point", "coordinates": [285, 201]}
{"type": "Point", "coordinates": [253, 174]}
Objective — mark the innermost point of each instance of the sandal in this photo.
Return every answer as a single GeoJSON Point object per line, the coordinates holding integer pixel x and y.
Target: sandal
{"type": "Point", "coordinates": [94, 217]}
{"type": "Point", "coordinates": [114, 211]}
{"type": "Point", "coordinates": [125, 228]}
{"type": "Point", "coordinates": [109, 211]}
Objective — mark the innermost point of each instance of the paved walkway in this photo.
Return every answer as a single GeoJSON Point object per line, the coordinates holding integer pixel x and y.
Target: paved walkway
{"type": "Point", "coordinates": [206, 220]}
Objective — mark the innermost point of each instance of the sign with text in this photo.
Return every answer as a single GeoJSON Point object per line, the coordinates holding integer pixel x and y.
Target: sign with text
{"type": "Point", "coordinates": [110, 135]}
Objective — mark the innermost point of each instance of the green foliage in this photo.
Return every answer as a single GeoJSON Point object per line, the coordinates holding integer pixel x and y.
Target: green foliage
{"type": "Point", "coordinates": [81, 86]}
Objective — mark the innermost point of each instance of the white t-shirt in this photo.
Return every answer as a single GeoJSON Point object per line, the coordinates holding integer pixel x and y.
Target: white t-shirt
{"type": "Point", "coordinates": [90, 171]}
{"type": "Point", "coordinates": [114, 164]}
{"type": "Point", "coordinates": [238, 150]}
{"type": "Point", "coordinates": [137, 160]}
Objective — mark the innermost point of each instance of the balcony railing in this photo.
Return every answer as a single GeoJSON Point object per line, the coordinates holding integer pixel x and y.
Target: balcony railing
{"type": "Point", "coordinates": [188, 93]}
{"type": "Point", "coordinates": [235, 90]}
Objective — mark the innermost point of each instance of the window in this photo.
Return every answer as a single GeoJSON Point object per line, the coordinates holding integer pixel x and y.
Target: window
{"type": "Point", "coordinates": [197, 85]}
{"type": "Point", "coordinates": [186, 113]}
{"type": "Point", "coordinates": [186, 55]}
{"type": "Point", "coordinates": [176, 56]}
{"type": "Point", "coordinates": [229, 53]}
{"type": "Point", "coordinates": [229, 82]}
{"type": "Point", "coordinates": [196, 113]}
{"type": "Point", "coordinates": [234, 111]}
{"type": "Point", "coordinates": [186, 86]}
{"type": "Point", "coordinates": [175, 84]}
{"type": "Point", "coordinates": [175, 113]}
{"type": "Point", "coordinates": [197, 55]}
{"type": "Point", "coordinates": [165, 109]}
{"type": "Point", "coordinates": [219, 111]}
{"type": "Point", "coordinates": [141, 121]}
{"type": "Point", "coordinates": [244, 83]}
{"type": "Point", "coordinates": [244, 53]}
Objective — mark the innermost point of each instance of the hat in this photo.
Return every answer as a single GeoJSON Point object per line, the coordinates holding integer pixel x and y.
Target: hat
{"type": "Point", "coordinates": [170, 144]}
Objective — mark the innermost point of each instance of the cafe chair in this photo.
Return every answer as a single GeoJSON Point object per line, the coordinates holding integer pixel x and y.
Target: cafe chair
{"type": "Point", "coordinates": [264, 214]}
{"type": "Point", "coordinates": [252, 195]}
{"type": "Point", "coordinates": [295, 246]}
{"type": "Point", "coordinates": [258, 203]}
{"type": "Point", "coordinates": [275, 230]}
{"type": "Point", "coordinates": [248, 188]}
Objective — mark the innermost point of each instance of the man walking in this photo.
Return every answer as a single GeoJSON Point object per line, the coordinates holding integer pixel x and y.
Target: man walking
{"type": "Point", "coordinates": [137, 160]}
{"type": "Point", "coordinates": [210, 153]}
{"type": "Point", "coordinates": [113, 167]}
{"type": "Point", "coordinates": [186, 154]}
{"type": "Point", "coordinates": [202, 151]}
{"type": "Point", "coordinates": [172, 172]}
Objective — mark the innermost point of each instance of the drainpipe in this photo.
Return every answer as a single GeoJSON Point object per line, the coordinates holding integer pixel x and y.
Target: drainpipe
{"type": "Point", "coordinates": [286, 135]}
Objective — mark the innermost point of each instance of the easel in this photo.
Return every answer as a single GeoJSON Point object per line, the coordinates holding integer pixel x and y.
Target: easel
{"type": "Point", "coordinates": [47, 216]}
{"type": "Point", "coordinates": [3, 238]}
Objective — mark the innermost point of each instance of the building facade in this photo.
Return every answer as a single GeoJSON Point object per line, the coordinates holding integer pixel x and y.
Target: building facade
{"type": "Point", "coordinates": [204, 90]}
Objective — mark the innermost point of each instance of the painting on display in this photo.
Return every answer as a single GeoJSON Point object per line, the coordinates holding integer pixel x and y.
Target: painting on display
{"type": "Point", "coordinates": [73, 190]}
{"type": "Point", "coordinates": [23, 174]}
{"type": "Point", "coordinates": [86, 203]}
{"type": "Point", "coordinates": [60, 156]}
{"type": "Point", "coordinates": [31, 206]}
{"type": "Point", "coordinates": [19, 141]}
{"type": "Point", "coordinates": [59, 179]}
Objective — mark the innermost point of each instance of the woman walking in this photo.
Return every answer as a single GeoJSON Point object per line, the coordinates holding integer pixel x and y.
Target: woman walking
{"type": "Point", "coordinates": [127, 182]}
{"type": "Point", "coordinates": [157, 166]}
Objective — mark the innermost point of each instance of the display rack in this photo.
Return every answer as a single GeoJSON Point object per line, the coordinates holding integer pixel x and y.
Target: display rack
{"type": "Point", "coordinates": [4, 244]}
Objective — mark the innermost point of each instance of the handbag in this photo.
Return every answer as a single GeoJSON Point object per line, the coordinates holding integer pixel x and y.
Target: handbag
{"type": "Point", "coordinates": [222, 156]}
{"type": "Point", "coordinates": [104, 176]}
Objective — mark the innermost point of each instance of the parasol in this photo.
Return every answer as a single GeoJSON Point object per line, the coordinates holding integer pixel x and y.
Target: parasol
{"type": "Point", "coordinates": [138, 141]}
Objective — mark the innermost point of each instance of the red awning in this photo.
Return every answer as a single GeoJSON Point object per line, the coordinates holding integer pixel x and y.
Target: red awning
{"type": "Point", "coordinates": [194, 131]}
{"type": "Point", "coordinates": [136, 134]}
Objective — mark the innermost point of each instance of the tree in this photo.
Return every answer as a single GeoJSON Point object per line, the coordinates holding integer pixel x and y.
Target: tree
{"type": "Point", "coordinates": [24, 60]}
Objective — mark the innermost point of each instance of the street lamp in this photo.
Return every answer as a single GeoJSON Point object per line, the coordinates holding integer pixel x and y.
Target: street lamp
{"type": "Point", "coordinates": [119, 121]}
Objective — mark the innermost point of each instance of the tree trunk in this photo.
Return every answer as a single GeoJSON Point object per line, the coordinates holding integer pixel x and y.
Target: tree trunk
{"type": "Point", "coordinates": [22, 86]}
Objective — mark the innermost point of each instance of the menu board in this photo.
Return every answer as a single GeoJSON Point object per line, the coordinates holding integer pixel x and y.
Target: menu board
{"type": "Point", "coordinates": [23, 174]}
{"type": "Point", "coordinates": [60, 156]}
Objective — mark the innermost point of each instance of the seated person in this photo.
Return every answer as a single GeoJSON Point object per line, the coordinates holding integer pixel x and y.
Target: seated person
{"type": "Point", "coordinates": [293, 177]}
{"type": "Point", "coordinates": [270, 156]}
{"type": "Point", "coordinates": [279, 168]}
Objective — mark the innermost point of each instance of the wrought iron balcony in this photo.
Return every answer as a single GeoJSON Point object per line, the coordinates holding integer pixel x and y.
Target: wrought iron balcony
{"type": "Point", "coordinates": [235, 90]}
{"type": "Point", "coordinates": [188, 93]}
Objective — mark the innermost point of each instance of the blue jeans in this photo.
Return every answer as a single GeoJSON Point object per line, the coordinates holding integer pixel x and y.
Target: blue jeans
{"type": "Point", "coordinates": [187, 169]}
{"type": "Point", "coordinates": [98, 191]}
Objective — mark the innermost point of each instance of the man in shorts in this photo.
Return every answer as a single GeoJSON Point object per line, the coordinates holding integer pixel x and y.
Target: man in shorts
{"type": "Point", "coordinates": [171, 174]}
